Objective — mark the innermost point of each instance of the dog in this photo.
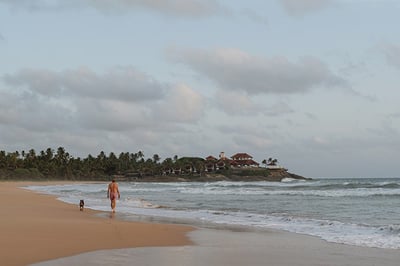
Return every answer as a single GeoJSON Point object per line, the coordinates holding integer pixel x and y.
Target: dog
{"type": "Point", "coordinates": [81, 204]}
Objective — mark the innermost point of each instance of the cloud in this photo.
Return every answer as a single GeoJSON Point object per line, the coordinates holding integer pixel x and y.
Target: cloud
{"type": "Point", "coordinates": [302, 7]}
{"type": "Point", "coordinates": [181, 8]}
{"type": "Point", "coordinates": [8, 114]}
{"type": "Point", "coordinates": [255, 16]}
{"type": "Point", "coordinates": [28, 111]}
{"type": "Point", "coordinates": [2, 37]}
{"type": "Point", "coordinates": [392, 53]}
{"type": "Point", "coordinates": [235, 70]}
{"type": "Point", "coordinates": [235, 103]}
{"type": "Point", "coordinates": [395, 115]}
{"type": "Point", "coordinates": [238, 103]}
{"type": "Point", "coordinates": [109, 115]}
{"type": "Point", "coordinates": [38, 4]}
{"type": "Point", "coordinates": [120, 83]}
{"type": "Point", "coordinates": [195, 9]}
{"type": "Point", "coordinates": [254, 137]}
{"type": "Point", "coordinates": [182, 104]}
{"type": "Point", "coordinates": [118, 100]}
{"type": "Point", "coordinates": [43, 108]}
{"type": "Point", "coordinates": [190, 8]}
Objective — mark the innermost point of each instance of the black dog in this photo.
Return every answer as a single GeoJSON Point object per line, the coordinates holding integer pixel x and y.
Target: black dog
{"type": "Point", "coordinates": [81, 204]}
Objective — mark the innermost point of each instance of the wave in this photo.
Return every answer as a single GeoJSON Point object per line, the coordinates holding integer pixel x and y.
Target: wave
{"type": "Point", "coordinates": [358, 192]}
{"type": "Point", "coordinates": [339, 193]}
{"type": "Point", "coordinates": [344, 233]}
{"type": "Point", "coordinates": [329, 230]}
{"type": "Point", "coordinates": [291, 188]}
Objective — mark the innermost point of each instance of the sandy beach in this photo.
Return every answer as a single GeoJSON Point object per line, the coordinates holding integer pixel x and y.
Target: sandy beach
{"type": "Point", "coordinates": [37, 227]}
{"type": "Point", "coordinates": [42, 231]}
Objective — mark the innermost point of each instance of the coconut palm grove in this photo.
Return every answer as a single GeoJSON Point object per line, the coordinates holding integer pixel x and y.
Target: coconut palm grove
{"type": "Point", "coordinates": [58, 164]}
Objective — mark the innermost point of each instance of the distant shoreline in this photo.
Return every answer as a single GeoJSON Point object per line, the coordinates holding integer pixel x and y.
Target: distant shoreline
{"type": "Point", "coordinates": [239, 175]}
{"type": "Point", "coordinates": [274, 176]}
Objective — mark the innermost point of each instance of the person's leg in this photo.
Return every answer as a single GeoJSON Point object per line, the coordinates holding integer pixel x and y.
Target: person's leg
{"type": "Point", "coordinates": [113, 205]}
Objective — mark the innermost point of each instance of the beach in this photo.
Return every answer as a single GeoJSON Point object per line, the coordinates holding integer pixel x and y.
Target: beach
{"type": "Point", "coordinates": [38, 229]}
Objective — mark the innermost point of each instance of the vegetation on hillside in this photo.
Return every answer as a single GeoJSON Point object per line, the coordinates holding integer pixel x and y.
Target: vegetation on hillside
{"type": "Point", "coordinates": [58, 164]}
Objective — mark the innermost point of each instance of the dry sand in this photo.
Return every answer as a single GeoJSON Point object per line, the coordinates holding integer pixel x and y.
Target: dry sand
{"type": "Point", "coordinates": [37, 227]}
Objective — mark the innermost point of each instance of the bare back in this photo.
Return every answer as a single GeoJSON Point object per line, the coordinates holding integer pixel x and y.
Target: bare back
{"type": "Point", "coordinates": [113, 187]}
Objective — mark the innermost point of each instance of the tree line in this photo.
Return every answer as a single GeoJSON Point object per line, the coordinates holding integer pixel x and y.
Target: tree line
{"type": "Point", "coordinates": [59, 164]}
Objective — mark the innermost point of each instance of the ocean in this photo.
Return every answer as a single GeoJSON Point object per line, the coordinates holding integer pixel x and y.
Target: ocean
{"type": "Point", "coordinates": [354, 211]}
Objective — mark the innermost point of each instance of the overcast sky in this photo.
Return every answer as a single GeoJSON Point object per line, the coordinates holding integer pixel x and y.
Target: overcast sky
{"type": "Point", "coordinates": [312, 83]}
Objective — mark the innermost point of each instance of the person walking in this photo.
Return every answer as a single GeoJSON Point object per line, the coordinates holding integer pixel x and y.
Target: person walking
{"type": "Point", "coordinates": [113, 193]}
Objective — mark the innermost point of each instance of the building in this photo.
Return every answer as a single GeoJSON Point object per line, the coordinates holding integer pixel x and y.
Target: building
{"type": "Point", "coordinates": [239, 160]}
{"type": "Point", "coordinates": [243, 160]}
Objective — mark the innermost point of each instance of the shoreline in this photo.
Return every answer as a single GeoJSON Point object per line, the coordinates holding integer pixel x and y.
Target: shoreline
{"type": "Point", "coordinates": [38, 227]}
{"type": "Point", "coordinates": [193, 244]}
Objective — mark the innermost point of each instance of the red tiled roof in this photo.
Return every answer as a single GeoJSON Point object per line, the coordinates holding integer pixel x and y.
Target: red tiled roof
{"type": "Point", "coordinates": [241, 155]}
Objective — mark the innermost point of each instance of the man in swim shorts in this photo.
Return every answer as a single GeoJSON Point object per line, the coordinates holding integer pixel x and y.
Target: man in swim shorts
{"type": "Point", "coordinates": [113, 193]}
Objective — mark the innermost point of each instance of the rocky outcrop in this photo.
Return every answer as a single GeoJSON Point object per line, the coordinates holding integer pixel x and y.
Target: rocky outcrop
{"type": "Point", "coordinates": [273, 175]}
{"type": "Point", "coordinates": [276, 175]}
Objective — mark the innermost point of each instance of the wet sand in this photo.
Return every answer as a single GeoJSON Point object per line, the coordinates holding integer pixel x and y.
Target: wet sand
{"type": "Point", "coordinates": [237, 248]}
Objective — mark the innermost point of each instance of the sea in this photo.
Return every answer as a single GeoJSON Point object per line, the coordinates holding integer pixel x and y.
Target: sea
{"type": "Point", "coordinates": [354, 211]}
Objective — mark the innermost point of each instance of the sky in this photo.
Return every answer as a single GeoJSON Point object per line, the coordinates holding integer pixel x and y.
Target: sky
{"type": "Point", "coordinates": [312, 83]}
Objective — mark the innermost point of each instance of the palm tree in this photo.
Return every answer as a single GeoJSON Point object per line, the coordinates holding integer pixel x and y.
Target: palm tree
{"type": "Point", "coordinates": [272, 161]}
{"type": "Point", "coordinates": [61, 159]}
{"type": "Point", "coordinates": [49, 154]}
{"type": "Point", "coordinates": [156, 158]}
{"type": "Point", "coordinates": [111, 164]}
{"type": "Point", "coordinates": [3, 162]}
{"type": "Point", "coordinates": [140, 155]}
{"type": "Point", "coordinates": [264, 162]}
{"type": "Point", "coordinates": [30, 159]}
{"type": "Point", "coordinates": [12, 160]}
{"type": "Point", "coordinates": [123, 160]}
